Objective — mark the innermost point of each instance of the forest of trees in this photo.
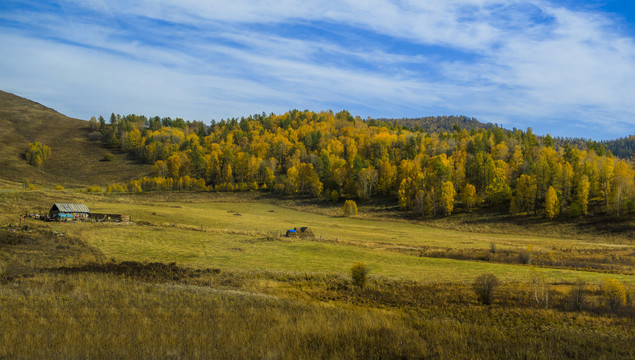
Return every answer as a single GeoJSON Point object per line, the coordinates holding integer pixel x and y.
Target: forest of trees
{"type": "Point", "coordinates": [622, 147]}
{"type": "Point", "coordinates": [336, 155]}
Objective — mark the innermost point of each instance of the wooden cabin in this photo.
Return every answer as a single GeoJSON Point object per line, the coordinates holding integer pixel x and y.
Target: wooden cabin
{"type": "Point", "coordinates": [63, 211]}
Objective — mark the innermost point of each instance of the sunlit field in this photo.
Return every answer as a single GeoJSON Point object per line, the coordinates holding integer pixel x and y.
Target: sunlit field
{"type": "Point", "coordinates": [205, 276]}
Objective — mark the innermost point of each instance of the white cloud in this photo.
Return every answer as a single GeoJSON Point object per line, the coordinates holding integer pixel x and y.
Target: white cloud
{"type": "Point", "coordinates": [105, 79]}
{"type": "Point", "coordinates": [510, 62]}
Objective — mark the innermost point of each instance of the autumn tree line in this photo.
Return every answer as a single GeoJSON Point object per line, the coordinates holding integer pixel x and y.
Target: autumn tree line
{"type": "Point", "coordinates": [336, 155]}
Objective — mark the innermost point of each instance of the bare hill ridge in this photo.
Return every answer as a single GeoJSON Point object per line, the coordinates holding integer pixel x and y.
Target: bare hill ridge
{"type": "Point", "coordinates": [75, 160]}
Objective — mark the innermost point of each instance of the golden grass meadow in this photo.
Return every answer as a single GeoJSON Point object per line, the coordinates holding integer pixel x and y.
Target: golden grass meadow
{"type": "Point", "coordinates": [210, 276]}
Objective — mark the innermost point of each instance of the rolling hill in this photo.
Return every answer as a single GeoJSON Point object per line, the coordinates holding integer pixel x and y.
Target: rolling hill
{"type": "Point", "coordinates": [75, 160]}
{"type": "Point", "coordinates": [432, 124]}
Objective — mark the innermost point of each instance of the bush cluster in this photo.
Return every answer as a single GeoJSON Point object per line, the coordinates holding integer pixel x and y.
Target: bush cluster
{"type": "Point", "coordinates": [37, 153]}
{"type": "Point", "coordinates": [349, 208]}
{"type": "Point", "coordinates": [359, 272]}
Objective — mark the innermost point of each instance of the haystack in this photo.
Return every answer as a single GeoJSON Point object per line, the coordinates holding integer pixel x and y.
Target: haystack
{"type": "Point", "coordinates": [303, 233]}
{"type": "Point", "coordinates": [306, 233]}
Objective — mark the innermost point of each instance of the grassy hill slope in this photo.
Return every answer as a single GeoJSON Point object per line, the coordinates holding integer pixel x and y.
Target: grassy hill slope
{"type": "Point", "coordinates": [75, 160]}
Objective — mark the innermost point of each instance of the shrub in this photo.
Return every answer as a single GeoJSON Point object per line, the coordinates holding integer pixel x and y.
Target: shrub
{"type": "Point", "coordinates": [278, 188]}
{"type": "Point", "coordinates": [116, 188]}
{"type": "Point", "coordinates": [94, 125]}
{"type": "Point", "coordinates": [349, 208]}
{"type": "Point", "coordinates": [359, 272]}
{"type": "Point", "coordinates": [575, 210]}
{"type": "Point", "coordinates": [93, 189]}
{"type": "Point", "coordinates": [524, 257]}
{"type": "Point", "coordinates": [485, 286]}
{"type": "Point", "coordinates": [540, 288]}
{"type": "Point", "coordinates": [227, 186]}
{"type": "Point", "coordinates": [335, 196]}
{"type": "Point", "coordinates": [59, 187]}
{"type": "Point", "coordinates": [614, 293]}
{"type": "Point", "coordinates": [94, 136]}
{"type": "Point", "coordinates": [108, 157]}
{"type": "Point", "coordinates": [577, 296]}
{"type": "Point", "coordinates": [37, 153]}
{"type": "Point", "coordinates": [28, 185]}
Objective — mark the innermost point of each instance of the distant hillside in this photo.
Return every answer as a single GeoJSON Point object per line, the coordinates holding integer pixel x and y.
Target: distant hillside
{"type": "Point", "coordinates": [75, 160]}
{"type": "Point", "coordinates": [431, 124]}
{"type": "Point", "coordinates": [622, 147]}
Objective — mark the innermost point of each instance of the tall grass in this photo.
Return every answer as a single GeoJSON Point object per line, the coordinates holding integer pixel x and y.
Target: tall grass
{"type": "Point", "coordinates": [107, 316]}
{"type": "Point", "coordinates": [62, 298]}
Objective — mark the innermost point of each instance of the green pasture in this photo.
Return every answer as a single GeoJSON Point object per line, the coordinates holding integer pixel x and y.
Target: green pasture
{"type": "Point", "coordinates": [266, 218]}
{"type": "Point", "coordinates": [237, 236]}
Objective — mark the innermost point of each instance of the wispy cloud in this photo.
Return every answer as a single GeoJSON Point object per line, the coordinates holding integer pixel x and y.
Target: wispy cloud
{"type": "Point", "coordinates": [519, 63]}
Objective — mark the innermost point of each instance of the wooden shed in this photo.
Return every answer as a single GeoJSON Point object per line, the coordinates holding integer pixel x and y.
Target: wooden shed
{"type": "Point", "coordinates": [69, 211]}
{"type": "Point", "coordinates": [110, 217]}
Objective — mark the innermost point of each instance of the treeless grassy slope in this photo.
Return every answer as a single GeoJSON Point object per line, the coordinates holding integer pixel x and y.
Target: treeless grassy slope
{"type": "Point", "coordinates": [75, 160]}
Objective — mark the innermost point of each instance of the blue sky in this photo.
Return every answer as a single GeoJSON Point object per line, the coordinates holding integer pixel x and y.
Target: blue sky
{"type": "Point", "coordinates": [561, 67]}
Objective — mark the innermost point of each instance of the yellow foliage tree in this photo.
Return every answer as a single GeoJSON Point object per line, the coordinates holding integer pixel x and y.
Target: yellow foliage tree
{"type": "Point", "coordinates": [174, 166]}
{"type": "Point", "coordinates": [583, 193]}
{"type": "Point", "coordinates": [308, 180]}
{"type": "Point", "coordinates": [405, 193]}
{"type": "Point", "coordinates": [525, 197]}
{"type": "Point", "coordinates": [552, 205]}
{"type": "Point", "coordinates": [227, 174]}
{"type": "Point", "coordinates": [622, 183]}
{"type": "Point", "coordinates": [160, 168]}
{"type": "Point", "coordinates": [447, 197]}
{"type": "Point", "coordinates": [367, 181]}
{"type": "Point", "coordinates": [291, 183]}
{"type": "Point", "coordinates": [614, 293]}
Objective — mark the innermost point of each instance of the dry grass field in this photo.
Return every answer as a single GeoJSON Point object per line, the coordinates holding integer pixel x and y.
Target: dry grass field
{"type": "Point", "coordinates": [204, 275]}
